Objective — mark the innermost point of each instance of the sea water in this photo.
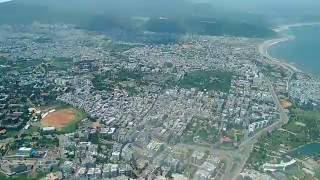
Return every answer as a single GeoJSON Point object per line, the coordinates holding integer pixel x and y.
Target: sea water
{"type": "Point", "coordinates": [308, 150]}
{"type": "Point", "coordinates": [303, 51]}
{"type": "Point", "coordinates": [2, 1]}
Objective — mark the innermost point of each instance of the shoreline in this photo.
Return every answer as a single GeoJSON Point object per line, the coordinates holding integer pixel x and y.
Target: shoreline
{"type": "Point", "coordinates": [288, 26]}
{"type": "Point", "coordinates": [266, 45]}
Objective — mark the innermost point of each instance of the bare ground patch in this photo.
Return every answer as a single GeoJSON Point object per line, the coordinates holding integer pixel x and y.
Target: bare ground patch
{"type": "Point", "coordinates": [59, 119]}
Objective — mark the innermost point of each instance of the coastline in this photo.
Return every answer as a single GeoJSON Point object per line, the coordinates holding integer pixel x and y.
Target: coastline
{"type": "Point", "coordinates": [266, 45]}
{"type": "Point", "coordinates": [288, 26]}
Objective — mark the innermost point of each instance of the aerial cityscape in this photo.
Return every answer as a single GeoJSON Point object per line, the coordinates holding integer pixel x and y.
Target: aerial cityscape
{"type": "Point", "coordinates": [82, 104]}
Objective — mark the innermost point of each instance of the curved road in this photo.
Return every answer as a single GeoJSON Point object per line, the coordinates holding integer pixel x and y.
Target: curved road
{"type": "Point", "coordinates": [240, 156]}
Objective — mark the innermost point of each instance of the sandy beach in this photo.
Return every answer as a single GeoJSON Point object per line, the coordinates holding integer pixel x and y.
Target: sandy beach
{"type": "Point", "coordinates": [288, 26]}
{"type": "Point", "coordinates": [266, 45]}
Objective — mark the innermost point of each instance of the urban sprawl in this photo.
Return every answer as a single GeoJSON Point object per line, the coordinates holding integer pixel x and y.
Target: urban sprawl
{"type": "Point", "coordinates": [188, 110]}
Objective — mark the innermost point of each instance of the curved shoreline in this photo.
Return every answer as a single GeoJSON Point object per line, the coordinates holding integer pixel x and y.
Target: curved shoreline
{"type": "Point", "coordinates": [292, 150]}
{"type": "Point", "coordinates": [264, 50]}
{"type": "Point", "coordinates": [266, 45]}
{"type": "Point", "coordinates": [288, 26]}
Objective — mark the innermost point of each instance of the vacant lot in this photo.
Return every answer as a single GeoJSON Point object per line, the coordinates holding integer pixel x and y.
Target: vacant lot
{"type": "Point", "coordinates": [285, 103]}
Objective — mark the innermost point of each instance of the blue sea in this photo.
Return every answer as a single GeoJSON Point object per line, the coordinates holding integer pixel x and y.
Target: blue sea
{"type": "Point", "coordinates": [308, 150]}
{"type": "Point", "coordinates": [2, 1]}
{"type": "Point", "coordinates": [303, 51]}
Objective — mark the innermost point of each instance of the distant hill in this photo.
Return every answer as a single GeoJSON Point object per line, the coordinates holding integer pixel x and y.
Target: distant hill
{"type": "Point", "coordinates": [116, 19]}
{"type": "Point", "coordinates": [206, 26]}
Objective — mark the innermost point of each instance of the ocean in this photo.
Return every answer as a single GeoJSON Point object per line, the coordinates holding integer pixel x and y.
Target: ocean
{"type": "Point", "coordinates": [2, 1]}
{"type": "Point", "coordinates": [308, 150]}
{"type": "Point", "coordinates": [303, 51]}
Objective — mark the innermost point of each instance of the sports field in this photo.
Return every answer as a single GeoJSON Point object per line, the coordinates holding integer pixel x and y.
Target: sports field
{"type": "Point", "coordinates": [59, 119]}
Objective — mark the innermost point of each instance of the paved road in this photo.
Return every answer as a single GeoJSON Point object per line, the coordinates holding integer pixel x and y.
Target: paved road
{"type": "Point", "coordinates": [236, 159]}
{"type": "Point", "coordinates": [284, 119]}
{"type": "Point", "coordinates": [241, 155]}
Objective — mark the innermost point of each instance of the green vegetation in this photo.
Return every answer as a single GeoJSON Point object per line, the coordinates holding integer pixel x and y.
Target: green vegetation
{"type": "Point", "coordinates": [32, 130]}
{"type": "Point", "coordinates": [273, 72]}
{"type": "Point", "coordinates": [61, 105]}
{"type": "Point", "coordinates": [3, 60]}
{"type": "Point", "coordinates": [200, 131]}
{"type": "Point", "coordinates": [132, 80]}
{"type": "Point", "coordinates": [126, 75]}
{"type": "Point", "coordinates": [207, 80]}
{"type": "Point", "coordinates": [317, 173]}
{"type": "Point", "coordinates": [22, 177]}
{"type": "Point", "coordinates": [311, 119]}
{"type": "Point", "coordinates": [61, 63]}
{"type": "Point", "coordinates": [101, 83]}
{"type": "Point", "coordinates": [35, 141]}
{"type": "Point", "coordinates": [9, 134]}
{"type": "Point", "coordinates": [73, 126]}
{"type": "Point", "coordinates": [22, 64]}
{"type": "Point", "coordinates": [126, 79]}
{"type": "Point", "coordinates": [48, 142]}
{"type": "Point", "coordinates": [303, 128]}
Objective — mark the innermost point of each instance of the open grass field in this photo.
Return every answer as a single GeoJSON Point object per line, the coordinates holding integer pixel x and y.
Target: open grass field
{"type": "Point", "coordinates": [64, 120]}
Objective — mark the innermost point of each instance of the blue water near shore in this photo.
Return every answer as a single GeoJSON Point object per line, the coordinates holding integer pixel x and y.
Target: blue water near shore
{"type": "Point", "coordinates": [303, 51]}
{"type": "Point", "coordinates": [308, 150]}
